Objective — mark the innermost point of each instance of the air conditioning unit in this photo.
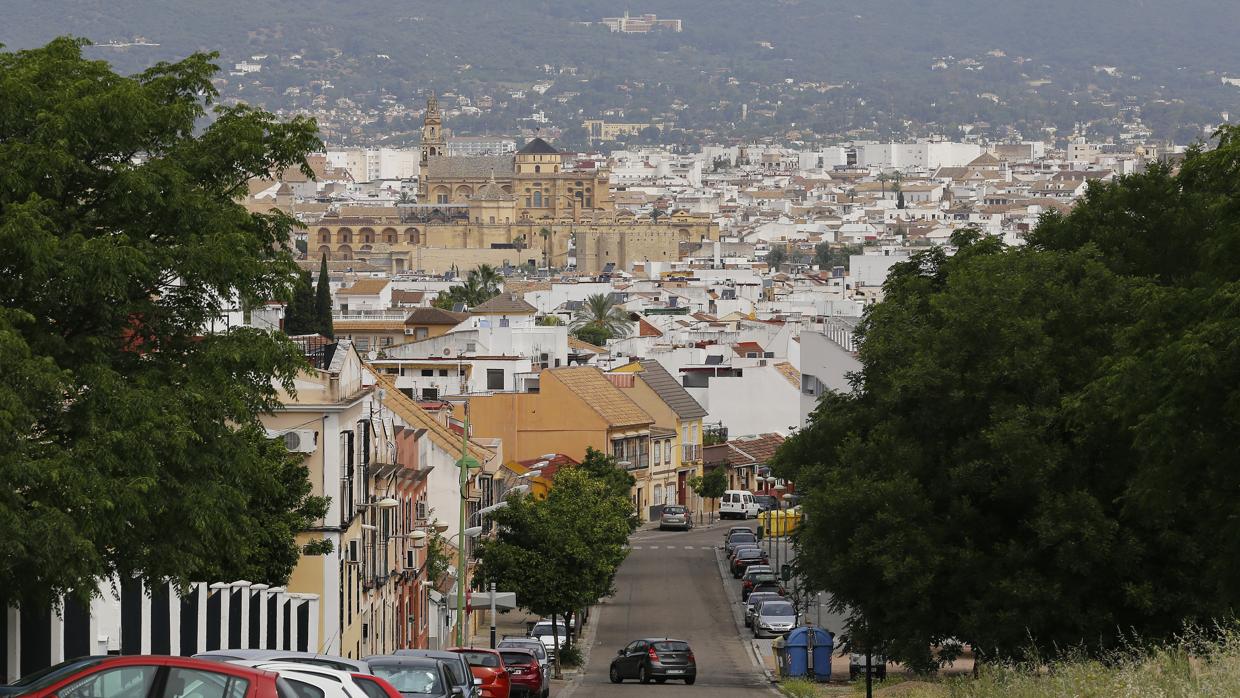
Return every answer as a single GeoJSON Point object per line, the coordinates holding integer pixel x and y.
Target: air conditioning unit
{"type": "Point", "coordinates": [301, 440]}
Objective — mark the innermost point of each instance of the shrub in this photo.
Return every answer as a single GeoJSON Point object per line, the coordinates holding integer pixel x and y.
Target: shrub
{"type": "Point", "coordinates": [570, 656]}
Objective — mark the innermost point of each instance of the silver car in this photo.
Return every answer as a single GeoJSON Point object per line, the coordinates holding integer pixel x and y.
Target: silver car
{"type": "Point", "coordinates": [755, 599]}
{"type": "Point", "coordinates": [774, 617]}
{"type": "Point", "coordinates": [675, 516]}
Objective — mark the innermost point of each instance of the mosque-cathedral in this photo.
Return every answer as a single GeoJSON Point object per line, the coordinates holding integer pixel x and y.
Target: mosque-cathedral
{"type": "Point", "coordinates": [515, 208]}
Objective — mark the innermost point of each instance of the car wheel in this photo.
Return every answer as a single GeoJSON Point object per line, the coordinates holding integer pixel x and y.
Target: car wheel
{"type": "Point", "coordinates": [614, 674]}
{"type": "Point", "coordinates": [689, 680]}
{"type": "Point", "coordinates": [642, 675]}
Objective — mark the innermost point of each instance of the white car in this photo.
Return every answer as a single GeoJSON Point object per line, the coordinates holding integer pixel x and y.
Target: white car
{"type": "Point", "coordinates": [544, 632]}
{"type": "Point", "coordinates": [333, 683]}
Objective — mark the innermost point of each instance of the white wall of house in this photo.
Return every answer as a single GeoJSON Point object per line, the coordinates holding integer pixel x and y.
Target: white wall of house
{"type": "Point", "coordinates": [761, 400]}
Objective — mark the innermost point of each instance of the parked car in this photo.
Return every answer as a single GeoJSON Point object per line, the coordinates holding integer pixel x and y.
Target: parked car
{"type": "Point", "coordinates": [548, 632]}
{"type": "Point", "coordinates": [324, 660]}
{"type": "Point", "coordinates": [738, 504]}
{"type": "Point", "coordinates": [654, 659]}
{"type": "Point", "coordinates": [488, 665]}
{"type": "Point", "coordinates": [746, 557]}
{"type": "Point", "coordinates": [755, 599]}
{"type": "Point", "coordinates": [416, 677]}
{"type": "Point", "coordinates": [532, 644]}
{"type": "Point", "coordinates": [857, 666]}
{"type": "Point", "coordinates": [525, 672]}
{"type": "Point", "coordinates": [736, 529]}
{"type": "Point", "coordinates": [675, 516]}
{"type": "Point", "coordinates": [766, 502]}
{"type": "Point", "coordinates": [462, 675]}
{"type": "Point", "coordinates": [137, 676]}
{"type": "Point", "coordinates": [749, 581]}
{"type": "Point", "coordinates": [774, 617]}
{"type": "Point", "coordinates": [760, 587]}
{"type": "Point", "coordinates": [333, 682]}
{"type": "Point", "coordinates": [738, 539]}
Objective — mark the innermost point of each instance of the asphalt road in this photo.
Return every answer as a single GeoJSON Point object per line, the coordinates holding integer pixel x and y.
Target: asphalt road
{"type": "Point", "coordinates": [670, 587]}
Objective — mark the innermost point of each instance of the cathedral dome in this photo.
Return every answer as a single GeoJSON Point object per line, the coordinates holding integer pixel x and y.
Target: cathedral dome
{"type": "Point", "coordinates": [491, 192]}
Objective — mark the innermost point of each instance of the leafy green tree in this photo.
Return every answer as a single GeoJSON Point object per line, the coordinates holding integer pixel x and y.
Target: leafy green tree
{"type": "Point", "coordinates": [561, 553]}
{"type": "Point", "coordinates": [711, 485]}
{"type": "Point", "coordinates": [601, 312]}
{"type": "Point", "coordinates": [603, 468]}
{"type": "Point", "coordinates": [776, 257]}
{"type": "Point", "coordinates": [550, 321]}
{"type": "Point", "coordinates": [480, 285]}
{"type": "Point", "coordinates": [323, 303]}
{"type": "Point", "coordinates": [299, 314]}
{"type": "Point", "coordinates": [828, 255]}
{"type": "Point", "coordinates": [592, 334]}
{"type": "Point", "coordinates": [1036, 452]}
{"type": "Point", "coordinates": [130, 442]}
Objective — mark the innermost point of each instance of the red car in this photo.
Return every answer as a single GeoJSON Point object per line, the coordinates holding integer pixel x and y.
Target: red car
{"type": "Point", "coordinates": [524, 671]}
{"type": "Point", "coordinates": [488, 665]}
{"type": "Point", "coordinates": [144, 676]}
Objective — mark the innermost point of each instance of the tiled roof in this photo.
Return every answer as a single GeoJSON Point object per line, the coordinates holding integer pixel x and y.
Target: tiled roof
{"type": "Point", "coordinates": [742, 348]}
{"type": "Point", "coordinates": [579, 345]}
{"type": "Point", "coordinates": [434, 316]}
{"type": "Point", "coordinates": [754, 450]}
{"type": "Point", "coordinates": [364, 287]}
{"type": "Point", "coordinates": [670, 390]}
{"type": "Point", "coordinates": [412, 414]}
{"type": "Point", "coordinates": [538, 147]}
{"type": "Point", "coordinates": [410, 297]}
{"type": "Point", "coordinates": [789, 372]}
{"type": "Point", "coordinates": [645, 329]}
{"type": "Point", "coordinates": [504, 304]}
{"type": "Point", "coordinates": [589, 384]}
{"type": "Point", "coordinates": [469, 166]}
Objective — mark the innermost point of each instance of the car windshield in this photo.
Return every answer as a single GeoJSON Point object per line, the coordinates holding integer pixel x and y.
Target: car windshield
{"type": "Point", "coordinates": [483, 659]}
{"type": "Point", "coordinates": [777, 608]}
{"type": "Point", "coordinates": [545, 629]}
{"type": "Point", "coordinates": [511, 658]}
{"type": "Point", "coordinates": [757, 598]}
{"type": "Point", "coordinates": [423, 680]}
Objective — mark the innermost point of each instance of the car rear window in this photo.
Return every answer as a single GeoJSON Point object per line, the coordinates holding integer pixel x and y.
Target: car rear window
{"type": "Point", "coordinates": [742, 537]}
{"type": "Point", "coordinates": [673, 510]}
{"type": "Point", "coordinates": [517, 658]}
{"type": "Point", "coordinates": [482, 659]}
{"type": "Point", "coordinates": [751, 553]}
{"type": "Point", "coordinates": [370, 687]}
{"type": "Point", "coordinates": [777, 608]}
{"type": "Point", "coordinates": [671, 646]}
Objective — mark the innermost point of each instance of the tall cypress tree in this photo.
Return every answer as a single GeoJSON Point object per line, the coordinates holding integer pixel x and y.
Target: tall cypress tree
{"type": "Point", "coordinates": [299, 315]}
{"type": "Point", "coordinates": [323, 303]}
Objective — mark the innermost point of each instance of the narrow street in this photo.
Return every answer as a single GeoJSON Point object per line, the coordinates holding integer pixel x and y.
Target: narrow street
{"type": "Point", "coordinates": [670, 586]}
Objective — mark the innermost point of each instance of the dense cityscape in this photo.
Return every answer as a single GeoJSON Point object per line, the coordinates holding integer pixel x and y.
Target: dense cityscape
{"type": "Point", "coordinates": [675, 352]}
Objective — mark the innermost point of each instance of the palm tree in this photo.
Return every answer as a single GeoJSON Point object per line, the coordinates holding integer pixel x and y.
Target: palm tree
{"type": "Point", "coordinates": [883, 179]}
{"type": "Point", "coordinates": [603, 312]}
{"type": "Point", "coordinates": [488, 279]}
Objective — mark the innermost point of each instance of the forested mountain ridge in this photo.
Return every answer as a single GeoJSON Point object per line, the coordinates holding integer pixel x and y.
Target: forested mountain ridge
{"type": "Point", "coordinates": [887, 66]}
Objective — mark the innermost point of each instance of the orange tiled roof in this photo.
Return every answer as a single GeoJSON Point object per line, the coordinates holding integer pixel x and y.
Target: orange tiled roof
{"type": "Point", "coordinates": [592, 386]}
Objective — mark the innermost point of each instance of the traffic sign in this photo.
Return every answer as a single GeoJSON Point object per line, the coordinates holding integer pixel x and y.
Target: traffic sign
{"type": "Point", "coordinates": [505, 600]}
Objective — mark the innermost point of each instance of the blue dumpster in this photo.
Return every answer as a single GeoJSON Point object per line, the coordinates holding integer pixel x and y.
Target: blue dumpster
{"type": "Point", "coordinates": [809, 653]}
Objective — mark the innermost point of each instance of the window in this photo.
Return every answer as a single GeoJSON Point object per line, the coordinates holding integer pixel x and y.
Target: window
{"type": "Point", "coordinates": [538, 199]}
{"type": "Point", "coordinates": [470, 347]}
{"type": "Point", "coordinates": [658, 458]}
{"type": "Point", "coordinates": [428, 372]}
{"type": "Point", "coordinates": [441, 198]}
{"type": "Point", "coordinates": [430, 393]}
{"type": "Point", "coordinates": [193, 683]}
{"type": "Point", "coordinates": [495, 379]}
{"type": "Point", "coordinates": [420, 332]}
{"type": "Point", "coordinates": [121, 682]}
{"type": "Point", "coordinates": [386, 341]}
{"type": "Point", "coordinates": [443, 373]}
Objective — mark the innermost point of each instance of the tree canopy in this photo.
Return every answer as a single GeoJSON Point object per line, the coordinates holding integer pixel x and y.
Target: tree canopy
{"type": "Point", "coordinates": [129, 435]}
{"type": "Point", "coordinates": [481, 284]}
{"type": "Point", "coordinates": [1038, 450]}
{"type": "Point", "coordinates": [601, 318]}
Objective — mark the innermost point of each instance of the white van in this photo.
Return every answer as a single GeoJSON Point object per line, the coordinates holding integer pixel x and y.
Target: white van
{"type": "Point", "coordinates": [738, 504]}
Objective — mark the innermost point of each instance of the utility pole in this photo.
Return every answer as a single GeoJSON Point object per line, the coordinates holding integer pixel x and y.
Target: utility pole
{"type": "Point", "coordinates": [492, 615]}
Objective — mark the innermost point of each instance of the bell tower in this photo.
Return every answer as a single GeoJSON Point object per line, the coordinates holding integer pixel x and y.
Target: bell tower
{"type": "Point", "coordinates": [433, 142]}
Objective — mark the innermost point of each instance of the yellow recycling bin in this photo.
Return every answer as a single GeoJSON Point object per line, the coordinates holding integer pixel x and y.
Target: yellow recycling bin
{"type": "Point", "coordinates": [780, 523]}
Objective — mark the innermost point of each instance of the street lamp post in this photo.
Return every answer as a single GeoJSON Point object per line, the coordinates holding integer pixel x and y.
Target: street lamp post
{"type": "Point", "coordinates": [464, 465]}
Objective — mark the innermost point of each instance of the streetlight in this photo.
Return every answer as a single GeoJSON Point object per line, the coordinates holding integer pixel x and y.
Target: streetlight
{"type": "Point", "coordinates": [385, 503]}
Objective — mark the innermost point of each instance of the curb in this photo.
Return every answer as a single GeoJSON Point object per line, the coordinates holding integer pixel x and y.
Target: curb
{"type": "Point", "coordinates": [572, 679]}
{"type": "Point", "coordinates": [754, 655]}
